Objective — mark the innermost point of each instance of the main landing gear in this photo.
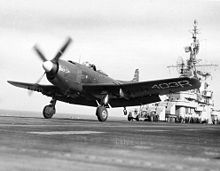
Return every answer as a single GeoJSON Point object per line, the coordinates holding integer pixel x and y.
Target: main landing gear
{"type": "Point", "coordinates": [101, 113]}
{"type": "Point", "coordinates": [49, 110]}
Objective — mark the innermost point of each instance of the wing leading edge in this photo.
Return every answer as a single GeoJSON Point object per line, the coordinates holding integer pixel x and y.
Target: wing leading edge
{"type": "Point", "coordinates": [48, 90]}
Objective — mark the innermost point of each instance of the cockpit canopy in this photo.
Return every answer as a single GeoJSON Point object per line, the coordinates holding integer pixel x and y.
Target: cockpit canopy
{"type": "Point", "coordinates": [93, 67]}
{"type": "Point", "coordinates": [89, 65]}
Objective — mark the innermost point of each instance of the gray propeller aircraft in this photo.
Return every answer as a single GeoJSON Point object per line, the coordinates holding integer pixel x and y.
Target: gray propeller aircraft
{"type": "Point", "coordinates": [83, 84]}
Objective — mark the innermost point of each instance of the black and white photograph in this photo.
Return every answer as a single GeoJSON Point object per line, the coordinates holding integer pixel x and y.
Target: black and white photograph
{"type": "Point", "coordinates": [109, 85]}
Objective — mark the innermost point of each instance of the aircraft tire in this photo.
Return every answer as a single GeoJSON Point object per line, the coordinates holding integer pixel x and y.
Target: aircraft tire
{"type": "Point", "coordinates": [138, 117]}
{"type": "Point", "coordinates": [101, 113]}
{"type": "Point", "coordinates": [130, 118]}
{"type": "Point", "coordinates": [48, 111]}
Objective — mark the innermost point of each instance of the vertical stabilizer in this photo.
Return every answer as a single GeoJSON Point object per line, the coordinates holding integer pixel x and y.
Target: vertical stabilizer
{"type": "Point", "coordinates": [136, 76]}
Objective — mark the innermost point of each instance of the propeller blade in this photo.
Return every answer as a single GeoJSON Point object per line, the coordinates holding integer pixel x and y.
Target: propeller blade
{"type": "Point", "coordinates": [39, 80]}
{"type": "Point", "coordinates": [62, 50]}
{"type": "Point", "coordinates": [30, 92]}
{"type": "Point", "coordinates": [40, 54]}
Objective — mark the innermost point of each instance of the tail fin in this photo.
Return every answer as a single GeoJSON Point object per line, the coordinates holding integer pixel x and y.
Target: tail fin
{"type": "Point", "coordinates": [136, 76]}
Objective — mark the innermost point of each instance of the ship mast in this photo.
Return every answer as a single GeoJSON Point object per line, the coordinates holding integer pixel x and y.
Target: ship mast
{"type": "Point", "coordinates": [193, 50]}
{"type": "Point", "coordinates": [189, 68]}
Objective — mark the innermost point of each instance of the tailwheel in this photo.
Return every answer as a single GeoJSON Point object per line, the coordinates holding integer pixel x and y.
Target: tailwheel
{"type": "Point", "coordinates": [49, 111]}
{"type": "Point", "coordinates": [101, 113]}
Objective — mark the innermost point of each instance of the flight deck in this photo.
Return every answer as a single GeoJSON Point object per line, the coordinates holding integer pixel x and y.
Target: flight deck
{"type": "Point", "coordinates": [34, 143]}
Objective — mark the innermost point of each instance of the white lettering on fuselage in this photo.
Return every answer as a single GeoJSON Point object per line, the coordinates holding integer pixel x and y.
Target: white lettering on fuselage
{"type": "Point", "coordinates": [64, 69]}
{"type": "Point", "coordinates": [183, 83]}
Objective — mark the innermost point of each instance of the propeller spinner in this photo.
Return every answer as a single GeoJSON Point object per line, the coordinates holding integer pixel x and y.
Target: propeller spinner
{"type": "Point", "coordinates": [48, 66]}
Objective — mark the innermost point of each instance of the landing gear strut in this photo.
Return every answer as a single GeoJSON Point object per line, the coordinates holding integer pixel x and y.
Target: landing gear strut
{"type": "Point", "coordinates": [125, 111]}
{"type": "Point", "coordinates": [101, 113]}
{"type": "Point", "coordinates": [49, 110]}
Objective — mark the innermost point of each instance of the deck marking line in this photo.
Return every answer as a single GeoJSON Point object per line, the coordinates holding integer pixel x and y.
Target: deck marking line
{"type": "Point", "coordinates": [66, 132]}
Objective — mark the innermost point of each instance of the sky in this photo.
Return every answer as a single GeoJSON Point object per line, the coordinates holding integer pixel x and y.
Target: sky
{"type": "Point", "coordinates": [118, 36]}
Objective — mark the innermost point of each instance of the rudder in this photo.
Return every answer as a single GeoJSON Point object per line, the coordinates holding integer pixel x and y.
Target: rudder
{"type": "Point", "coordinates": [136, 76]}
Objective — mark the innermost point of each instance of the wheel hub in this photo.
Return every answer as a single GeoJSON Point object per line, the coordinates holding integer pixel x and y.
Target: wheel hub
{"type": "Point", "coordinates": [104, 114]}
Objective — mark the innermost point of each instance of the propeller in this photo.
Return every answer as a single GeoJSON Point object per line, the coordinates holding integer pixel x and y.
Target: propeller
{"type": "Point", "coordinates": [62, 50]}
{"type": "Point", "coordinates": [50, 66]}
{"type": "Point", "coordinates": [30, 92]}
{"type": "Point", "coordinates": [40, 54]}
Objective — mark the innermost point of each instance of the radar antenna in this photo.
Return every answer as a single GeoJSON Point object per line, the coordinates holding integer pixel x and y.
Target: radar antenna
{"type": "Point", "coordinates": [191, 66]}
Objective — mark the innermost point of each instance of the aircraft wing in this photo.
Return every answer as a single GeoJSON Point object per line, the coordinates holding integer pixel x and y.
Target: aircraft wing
{"type": "Point", "coordinates": [121, 94]}
{"type": "Point", "coordinates": [53, 91]}
{"type": "Point", "coordinates": [136, 93]}
{"type": "Point", "coordinates": [47, 90]}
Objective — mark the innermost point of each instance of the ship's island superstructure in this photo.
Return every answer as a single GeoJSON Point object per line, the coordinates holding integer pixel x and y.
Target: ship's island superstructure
{"type": "Point", "coordinates": [193, 106]}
